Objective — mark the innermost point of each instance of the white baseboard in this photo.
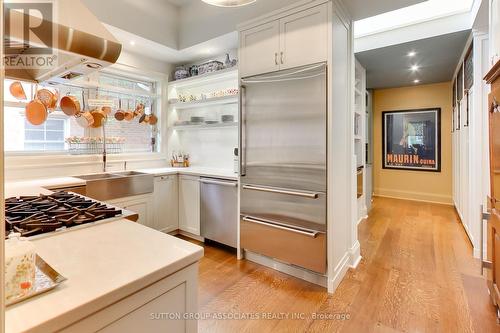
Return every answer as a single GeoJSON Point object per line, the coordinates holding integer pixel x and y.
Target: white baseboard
{"type": "Point", "coordinates": [414, 196]}
{"type": "Point", "coordinates": [295, 271]}
{"type": "Point", "coordinates": [355, 255]}
{"type": "Point", "coordinates": [338, 273]}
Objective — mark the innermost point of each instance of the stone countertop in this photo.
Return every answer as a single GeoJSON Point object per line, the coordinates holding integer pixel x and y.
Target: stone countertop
{"type": "Point", "coordinates": [39, 186]}
{"type": "Point", "coordinates": [100, 271]}
{"type": "Point", "coordinates": [195, 171]}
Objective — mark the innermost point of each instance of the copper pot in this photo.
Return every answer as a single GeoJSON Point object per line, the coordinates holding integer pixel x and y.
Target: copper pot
{"type": "Point", "coordinates": [129, 114]}
{"type": "Point", "coordinates": [85, 119]}
{"type": "Point", "coordinates": [144, 119]}
{"type": "Point", "coordinates": [70, 105]}
{"type": "Point", "coordinates": [106, 110]}
{"type": "Point", "coordinates": [36, 112]}
{"type": "Point", "coordinates": [119, 114]}
{"type": "Point", "coordinates": [48, 98]}
{"type": "Point", "coordinates": [99, 117]}
{"type": "Point", "coordinates": [153, 120]}
{"type": "Point", "coordinates": [16, 89]}
{"type": "Point", "coordinates": [139, 110]}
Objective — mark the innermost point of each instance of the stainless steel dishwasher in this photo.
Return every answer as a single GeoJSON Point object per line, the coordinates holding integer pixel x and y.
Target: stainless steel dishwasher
{"type": "Point", "coordinates": [219, 210]}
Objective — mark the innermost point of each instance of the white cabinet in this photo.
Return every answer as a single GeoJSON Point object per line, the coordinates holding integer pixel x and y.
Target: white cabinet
{"type": "Point", "coordinates": [147, 310]}
{"type": "Point", "coordinates": [189, 204]}
{"type": "Point", "coordinates": [294, 40]}
{"type": "Point", "coordinates": [141, 204]}
{"type": "Point", "coordinates": [304, 38]}
{"type": "Point", "coordinates": [166, 203]}
{"type": "Point", "coordinates": [259, 49]}
{"type": "Point", "coordinates": [494, 31]}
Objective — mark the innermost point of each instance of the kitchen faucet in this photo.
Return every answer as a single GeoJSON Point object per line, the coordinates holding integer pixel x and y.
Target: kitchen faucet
{"type": "Point", "coordinates": [104, 162]}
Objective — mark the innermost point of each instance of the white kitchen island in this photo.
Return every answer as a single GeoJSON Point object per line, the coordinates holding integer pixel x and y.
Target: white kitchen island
{"type": "Point", "coordinates": [121, 277]}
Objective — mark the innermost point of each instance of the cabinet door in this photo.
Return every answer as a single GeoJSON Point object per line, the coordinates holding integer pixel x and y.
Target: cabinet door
{"type": "Point", "coordinates": [189, 204]}
{"type": "Point", "coordinates": [140, 205]}
{"type": "Point", "coordinates": [166, 203]}
{"type": "Point", "coordinates": [259, 49]}
{"type": "Point", "coordinates": [304, 38]}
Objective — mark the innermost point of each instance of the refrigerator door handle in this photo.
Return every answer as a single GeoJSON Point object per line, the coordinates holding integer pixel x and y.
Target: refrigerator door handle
{"type": "Point", "coordinates": [304, 194]}
{"type": "Point", "coordinates": [272, 224]}
{"type": "Point", "coordinates": [242, 132]}
{"type": "Point", "coordinates": [296, 74]}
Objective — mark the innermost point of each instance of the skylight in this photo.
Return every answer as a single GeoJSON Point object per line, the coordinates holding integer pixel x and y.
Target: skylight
{"type": "Point", "coordinates": [425, 11]}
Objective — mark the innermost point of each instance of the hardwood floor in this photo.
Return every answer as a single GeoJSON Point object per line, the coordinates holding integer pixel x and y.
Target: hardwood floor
{"type": "Point", "coordinates": [417, 275]}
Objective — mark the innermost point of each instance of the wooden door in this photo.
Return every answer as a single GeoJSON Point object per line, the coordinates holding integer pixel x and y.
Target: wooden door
{"type": "Point", "coordinates": [304, 38]}
{"type": "Point", "coordinates": [259, 49]}
{"type": "Point", "coordinates": [493, 246]}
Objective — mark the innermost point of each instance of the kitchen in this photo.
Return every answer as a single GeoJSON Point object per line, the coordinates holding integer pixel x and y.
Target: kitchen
{"type": "Point", "coordinates": [155, 141]}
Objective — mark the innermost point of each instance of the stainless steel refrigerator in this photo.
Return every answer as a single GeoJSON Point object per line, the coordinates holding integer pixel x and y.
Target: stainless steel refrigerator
{"type": "Point", "coordinates": [283, 140]}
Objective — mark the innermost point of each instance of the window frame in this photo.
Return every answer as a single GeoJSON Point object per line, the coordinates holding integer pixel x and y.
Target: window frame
{"type": "Point", "coordinates": [159, 82]}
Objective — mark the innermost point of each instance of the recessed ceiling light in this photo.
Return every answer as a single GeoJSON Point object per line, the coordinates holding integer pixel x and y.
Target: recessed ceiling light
{"type": "Point", "coordinates": [132, 42]}
{"type": "Point", "coordinates": [229, 3]}
{"type": "Point", "coordinates": [416, 81]}
{"type": "Point", "coordinates": [412, 54]}
{"type": "Point", "coordinates": [414, 68]}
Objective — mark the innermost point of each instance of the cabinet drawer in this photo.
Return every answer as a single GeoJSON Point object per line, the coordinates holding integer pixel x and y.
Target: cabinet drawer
{"type": "Point", "coordinates": [290, 245]}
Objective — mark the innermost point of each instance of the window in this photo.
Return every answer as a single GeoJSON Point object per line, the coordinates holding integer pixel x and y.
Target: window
{"type": "Point", "coordinates": [469, 69]}
{"type": "Point", "coordinates": [54, 135]}
{"type": "Point", "coordinates": [47, 137]}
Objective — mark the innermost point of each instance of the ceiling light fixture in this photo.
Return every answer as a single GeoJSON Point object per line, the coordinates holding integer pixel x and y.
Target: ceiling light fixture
{"type": "Point", "coordinates": [229, 3]}
{"type": "Point", "coordinates": [132, 43]}
{"type": "Point", "coordinates": [414, 68]}
{"type": "Point", "coordinates": [416, 81]}
{"type": "Point", "coordinates": [412, 54]}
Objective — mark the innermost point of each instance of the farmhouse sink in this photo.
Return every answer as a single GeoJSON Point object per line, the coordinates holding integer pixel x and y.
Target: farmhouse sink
{"type": "Point", "coordinates": [109, 186]}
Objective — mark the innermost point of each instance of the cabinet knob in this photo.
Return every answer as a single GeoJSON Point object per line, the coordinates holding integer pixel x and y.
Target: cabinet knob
{"type": "Point", "coordinates": [276, 58]}
{"type": "Point", "coordinates": [282, 58]}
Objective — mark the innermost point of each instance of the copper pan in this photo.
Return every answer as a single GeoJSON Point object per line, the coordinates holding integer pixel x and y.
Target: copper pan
{"type": "Point", "coordinates": [129, 114]}
{"type": "Point", "coordinates": [139, 110]}
{"type": "Point", "coordinates": [85, 119]}
{"type": "Point", "coordinates": [36, 111]}
{"type": "Point", "coordinates": [16, 89]}
{"type": "Point", "coordinates": [70, 105]}
{"type": "Point", "coordinates": [153, 120]}
{"type": "Point", "coordinates": [119, 114]}
{"type": "Point", "coordinates": [144, 119]}
{"type": "Point", "coordinates": [48, 98]}
{"type": "Point", "coordinates": [99, 117]}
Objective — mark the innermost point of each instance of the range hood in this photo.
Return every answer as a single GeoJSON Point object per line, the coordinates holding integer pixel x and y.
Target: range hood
{"type": "Point", "coordinates": [80, 44]}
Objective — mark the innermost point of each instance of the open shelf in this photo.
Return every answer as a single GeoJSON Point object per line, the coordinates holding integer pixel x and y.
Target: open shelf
{"type": "Point", "coordinates": [233, 99]}
{"type": "Point", "coordinates": [204, 126]}
{"type": "Point", "coordinates": [223, 74]}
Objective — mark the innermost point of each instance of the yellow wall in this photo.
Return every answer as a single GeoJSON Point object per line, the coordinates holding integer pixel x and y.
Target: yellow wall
{"type": "Point", "coordinates": [415, 185]}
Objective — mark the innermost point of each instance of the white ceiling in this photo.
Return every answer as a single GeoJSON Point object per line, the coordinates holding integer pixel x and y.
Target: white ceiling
{"type": "Point", "coordinates": [178, 31]}
{"type": "Point", "coordinates": [437, 58]}
{"type": "Point", "coordinates": [358, 8]}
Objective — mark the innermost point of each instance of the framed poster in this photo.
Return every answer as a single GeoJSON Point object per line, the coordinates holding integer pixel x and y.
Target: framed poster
{"type": "Point", "coordinates": [412, 139]}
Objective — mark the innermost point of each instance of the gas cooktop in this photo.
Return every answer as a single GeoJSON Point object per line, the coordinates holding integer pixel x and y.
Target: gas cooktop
{"type": "Point", "coordinates": [33, 215]}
